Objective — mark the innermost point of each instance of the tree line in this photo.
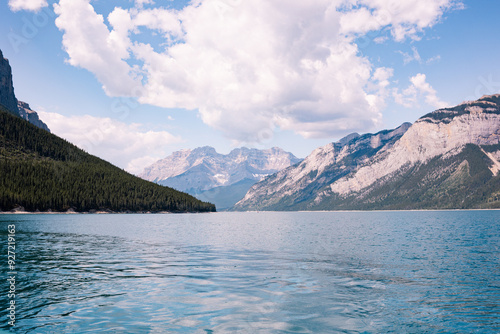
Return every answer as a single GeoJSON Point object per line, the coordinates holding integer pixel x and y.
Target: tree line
{"type": "Point", "coordinates": [40, 171]}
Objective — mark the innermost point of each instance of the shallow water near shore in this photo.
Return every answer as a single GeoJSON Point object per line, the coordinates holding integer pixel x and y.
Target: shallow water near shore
{"type": "Point", "coordinates": [267, 272]}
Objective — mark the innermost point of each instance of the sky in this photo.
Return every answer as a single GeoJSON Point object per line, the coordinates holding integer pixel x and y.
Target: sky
{"type": "Point", "coordinates": [132, 81]}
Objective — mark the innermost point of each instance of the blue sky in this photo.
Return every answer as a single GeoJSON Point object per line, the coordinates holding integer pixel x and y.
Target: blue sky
{"type": "Point", "coordinates": [133, 81]}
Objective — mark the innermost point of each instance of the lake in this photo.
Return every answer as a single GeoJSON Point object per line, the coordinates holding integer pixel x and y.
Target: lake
{"type": "Point", "coordinates": [259, 272]}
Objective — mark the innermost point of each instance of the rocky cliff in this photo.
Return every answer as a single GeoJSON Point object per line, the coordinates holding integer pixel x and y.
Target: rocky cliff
{"type": "Point", "coordinates": [223, 179]}
{"type": "Point", "coordinates": [437, 133]}
{"type": "Point", "coordinates": [30, 115]}
{"type": "Point", "coordinates": [7, 97]}
{"type": "Point", "coordinates": [295, 187]}
{"type": "Point", "coordinates": [447, 159]}
{"type": "Point", "coordinates": [9, 101]}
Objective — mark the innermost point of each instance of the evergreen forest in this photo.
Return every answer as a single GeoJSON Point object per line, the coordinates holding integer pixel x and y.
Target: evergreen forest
{"type": "Point", "coordinates": [40, 172]}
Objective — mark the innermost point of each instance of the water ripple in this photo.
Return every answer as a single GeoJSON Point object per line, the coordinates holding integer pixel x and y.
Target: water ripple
{"type": "Point", "coordinates": [268, 273]}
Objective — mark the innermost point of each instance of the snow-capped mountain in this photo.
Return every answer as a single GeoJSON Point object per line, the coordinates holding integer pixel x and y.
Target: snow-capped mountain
{"type": "Point", "coordinates": [220, 178]}
{"type": "Point", "coordinates": [448, 159]}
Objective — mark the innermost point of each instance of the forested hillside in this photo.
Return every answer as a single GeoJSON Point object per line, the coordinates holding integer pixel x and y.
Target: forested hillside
{"type": "Point", "coordinates": [40, 171]}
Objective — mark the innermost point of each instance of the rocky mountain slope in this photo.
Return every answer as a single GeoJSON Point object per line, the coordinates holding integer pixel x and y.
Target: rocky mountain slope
{"type": "Point", "coordinates": [221, 179]}
{"type": "Point", "coordinates": [448, 159]}
{"type": "Point", "coordinates": [7, 97]}
{"type": "Point", "coordinates": [298, 184]}
{"type": "Point", "coordinates": [9, 101]}
{"type": "Point", "coordinates": [31, 116]}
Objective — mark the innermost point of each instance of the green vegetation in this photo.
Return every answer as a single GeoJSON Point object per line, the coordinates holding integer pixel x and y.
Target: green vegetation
{"type": "Point", "coordinates": [40, 171]}
{"type": "Point", "coordinates": [463, 181]}
{"type": "Point", "coordinates": [489, 104]}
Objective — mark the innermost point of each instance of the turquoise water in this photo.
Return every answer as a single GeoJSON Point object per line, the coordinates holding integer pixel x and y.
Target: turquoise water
{"type": "Point", "coordinates": [322, 272]}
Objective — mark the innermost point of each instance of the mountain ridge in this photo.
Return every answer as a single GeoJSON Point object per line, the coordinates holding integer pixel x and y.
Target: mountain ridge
{"type": "Point", "coordinates": [437, 133]}
{"type": "Point", "coordinates": [40, 172]}
{"type": "Point", "coordinates": [25, 112]}
{"type": "Point", "coordinates": [469, 131]}
{"type": "Point", "coordinates": [8, 98]}
{"type": "Point", "coordinates": [210, 175]}
{"type": "Point", "coordinates": [325, 164]}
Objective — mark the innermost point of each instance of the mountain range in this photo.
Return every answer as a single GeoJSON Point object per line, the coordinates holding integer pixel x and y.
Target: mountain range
{"type": "Point", "coordinates": [222, 179]}
{"type": "Point", "coordinates": [42, 172]}
{"type": "Point", "coordinates": [448, 159]}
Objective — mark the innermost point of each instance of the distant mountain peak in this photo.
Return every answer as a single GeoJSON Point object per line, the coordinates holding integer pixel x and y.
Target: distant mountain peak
{"type": "Point", "coordinates": [348, 138]}
{"type": "Point", "coordinates": [181, 161]}
{"type": "Point", "coordinates": [25, 112]}
{"type": "Point", "coordinates": [207, 150]}
{"type": "Point", "coordinates": [487, 104]}
{"type": "Point", "coordinates": [202, 169]}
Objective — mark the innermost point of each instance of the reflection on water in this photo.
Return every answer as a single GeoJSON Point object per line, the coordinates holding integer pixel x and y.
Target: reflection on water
{"type": "Point", "coordinates": [257, 273]}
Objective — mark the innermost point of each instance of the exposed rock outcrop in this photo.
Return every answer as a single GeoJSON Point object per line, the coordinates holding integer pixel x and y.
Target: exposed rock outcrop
{"type": "Point", "coordinates": [476, 122]}
{"type": "Point", "coordinates": [30, 115]}
{"type": "Point", "coordinates": [7, 97]}
{"type": "Point", "coordinates": [300, 184]}
{"type": "Point", "coordinates": [212, 176]}
{"type": "Point", "coordinates": [447, 159]}
{"type": "Point", "coordinates": [9, 101]}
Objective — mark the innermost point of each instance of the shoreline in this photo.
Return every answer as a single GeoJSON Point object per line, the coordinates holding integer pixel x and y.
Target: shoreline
{"type": "Point", "coordinates": [19, 212]}
{"type": "Point", "coordinates": [79, 213]}
{"type": "Point", "coordinates": [92, 213]}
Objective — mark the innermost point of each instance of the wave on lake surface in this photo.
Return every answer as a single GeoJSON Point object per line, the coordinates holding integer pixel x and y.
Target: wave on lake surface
{"type": "Point", "coordinates": [302, 272]}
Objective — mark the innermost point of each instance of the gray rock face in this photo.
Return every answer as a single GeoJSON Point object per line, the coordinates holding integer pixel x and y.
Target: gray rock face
{"type": "Point", "coordinates": [297, 185]}
{"type": "Point", "coordinates": [218, 178]}
{"type": "Point", "coordinates": [405, 165]}
{"type": "Point", "coordinates": [203, 168]}
{"type": "Point", "coordinates": [31, 116]}
{"type": "Point", "coordinates": [9, 101]}
{"type": "Point", "coordinates": [7, 97]}
{"type": "Point", "coordinates": [445, 130]}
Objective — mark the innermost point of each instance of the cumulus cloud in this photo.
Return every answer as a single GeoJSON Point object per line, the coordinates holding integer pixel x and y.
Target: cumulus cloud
{"type": "Point", "coordinates": [140, 3]}
{"type": "Point", "coordinates": [419, 88]}
{"type": "Point", "coordinates": [405, 18]}
{"type": "Point", "coordinates": [124, 145]}
{"type": "Point", "coordinates": [419, 82]}
{"type": "Point", "coordinates": [247, 66]}
{"type": "Point", "coordinates": [91, 46]}
{"type": "Point", "coordinates": [30, 5]}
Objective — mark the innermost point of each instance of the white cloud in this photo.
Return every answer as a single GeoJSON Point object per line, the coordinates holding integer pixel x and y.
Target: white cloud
{"type": "Point", "coordinates": [408, 98]}
{"type": "Point", "coordinates": [415, 56]}
{"type": "Point", "coordinates": [433, 59]}
{"type": "Point", "coordinates": [406, 18]}
{"type": "Point", "coordinates": [136, 166]}
{"type": "Point", "coordinates": [380, 39]}
{"type": "Point", "coordinates": [141, 3]}
{"type": "Point", "coordinates": [91, 46]}
{"type": "Point", "coordinates": [419, 88]}
{"type": "Point", "coordinates": [124, 145]}
{"type": "Point", "coordinates": [419, 82]}
{"type": "Point", "coordinates": [30, 5]}
{"type": "Point", "coordinates": [247, 66]}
